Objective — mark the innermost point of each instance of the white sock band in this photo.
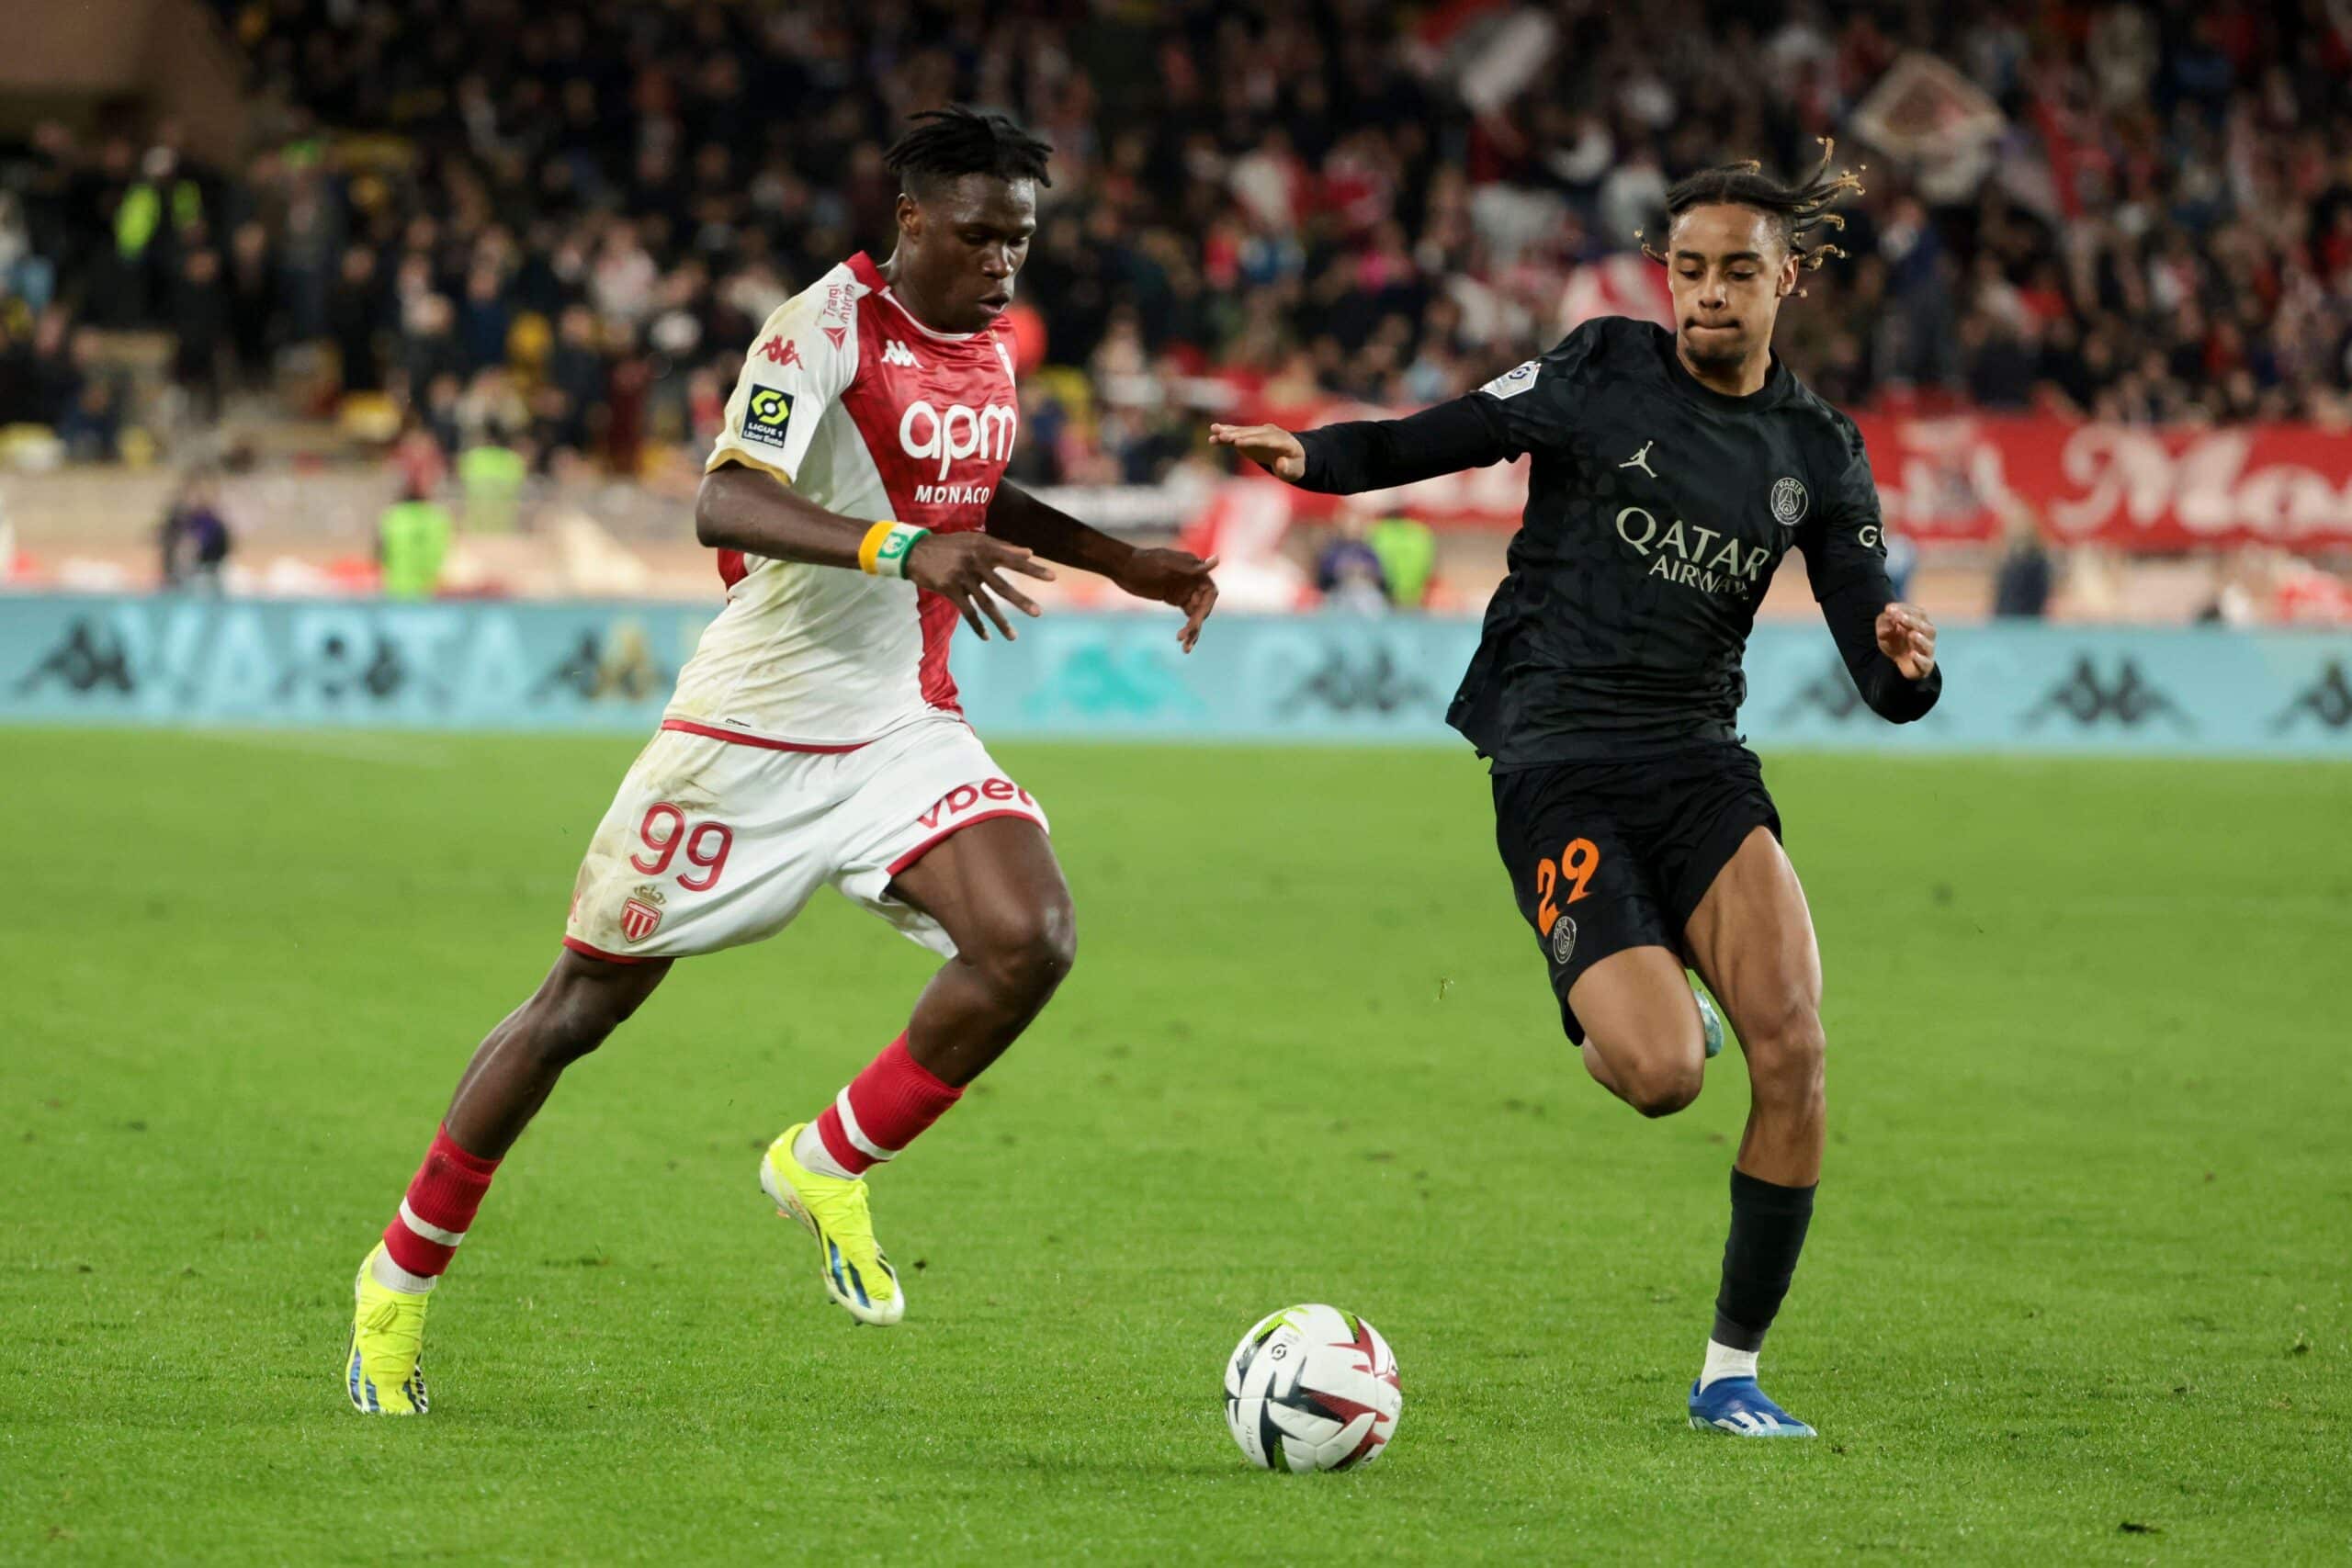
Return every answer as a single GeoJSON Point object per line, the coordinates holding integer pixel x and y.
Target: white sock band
{"type": "Point", "coordinates": [429, 1231]}
{"type": "Point", "coordinates": [393, 1277]}
{"type": "Point", "coordinates": [1722, 1361]}
{"type": "Point", "coordinates": [865, 1145]}
{"type": "Point", "coordinates": [810, 1149]}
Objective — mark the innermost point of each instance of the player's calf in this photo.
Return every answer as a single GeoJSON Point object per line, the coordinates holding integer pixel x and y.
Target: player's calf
{"type": "Point", "coordinates": [1787, 1060]}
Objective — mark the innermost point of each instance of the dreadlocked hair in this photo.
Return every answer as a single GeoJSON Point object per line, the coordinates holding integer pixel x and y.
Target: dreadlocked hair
{"type": "Point", "coordinates": [957, 140]}
{"type": "Point", "coordinates": [1801, 209]}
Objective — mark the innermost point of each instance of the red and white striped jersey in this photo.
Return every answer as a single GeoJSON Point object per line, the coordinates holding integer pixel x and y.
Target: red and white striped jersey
{"type": "Point", "coordinates": [866, 411]}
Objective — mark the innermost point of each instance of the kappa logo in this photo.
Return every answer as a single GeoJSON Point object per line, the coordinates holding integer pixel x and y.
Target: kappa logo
{"type": "Point", "coordinates": [1343, 684]}
{"type": "Point", "coordinates": [1564, 939]}
{"type": "Point", "coordinates": [1831, 693]}
{"type": "Point", "coordinates": [778, 351]}
{"type": "Point", "coordinates": [1641, 460]}
{"type": "Point", "coordinates": [2131, 699]}
{"type": "Point", "coordinates": [965, 797]}
{"type": "Point", "coordinates": [899, 354]}
{"type": "Point", "coordinates": [1789, 501]}
{"type": "Point", "coordinates": [2328, 700]}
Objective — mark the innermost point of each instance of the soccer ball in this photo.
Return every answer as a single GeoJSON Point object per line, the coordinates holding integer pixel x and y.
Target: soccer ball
{"type": "Point", "coordinates": [1312, 1388]}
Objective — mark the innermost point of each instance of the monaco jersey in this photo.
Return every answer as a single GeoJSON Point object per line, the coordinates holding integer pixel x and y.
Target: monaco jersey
{"type": "Point", "coordinates": [866, 411]}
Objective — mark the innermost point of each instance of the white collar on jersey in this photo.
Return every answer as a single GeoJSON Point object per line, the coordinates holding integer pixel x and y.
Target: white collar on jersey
{"type": "Point", "coordinates": [863, 267]}
{"type": "Point", "coordinates": [929, 331]}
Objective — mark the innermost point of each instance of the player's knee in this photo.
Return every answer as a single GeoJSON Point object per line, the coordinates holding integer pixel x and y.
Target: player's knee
{"type": "Point", "coordinates": [1026, 954]}
{"type": "Point", "coordinates": [1657, 1075]}
{"type": "Point", "coordinates": [1662, 1088]}
{"type": "Point", "coordinates": [1787, 1050]}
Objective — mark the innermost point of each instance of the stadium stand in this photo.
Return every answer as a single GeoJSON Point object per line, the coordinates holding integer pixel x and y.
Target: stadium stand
{"type": "Point", "coordinates": [549, 230]}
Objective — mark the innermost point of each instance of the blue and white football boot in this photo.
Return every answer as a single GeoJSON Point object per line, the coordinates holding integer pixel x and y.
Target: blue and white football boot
{"type": "Point", "coordinates": [1711, 1023]}
{"type": "Point", "coordinates": [1738, 1406]}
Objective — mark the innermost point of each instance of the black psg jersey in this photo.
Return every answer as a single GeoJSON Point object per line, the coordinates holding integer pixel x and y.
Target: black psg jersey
{"type": "Point", "coordinates": [1657, 510]}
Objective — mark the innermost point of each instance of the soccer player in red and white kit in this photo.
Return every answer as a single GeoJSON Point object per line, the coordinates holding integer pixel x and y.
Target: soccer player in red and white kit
{"type": "Point", "coordinates": [857, 503]}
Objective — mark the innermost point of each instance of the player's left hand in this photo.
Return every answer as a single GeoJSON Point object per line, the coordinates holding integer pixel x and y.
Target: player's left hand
{"type": "Point", "coordinates": [1907, 636]}
{"type": "Point", "coordinates": [1178, 577]}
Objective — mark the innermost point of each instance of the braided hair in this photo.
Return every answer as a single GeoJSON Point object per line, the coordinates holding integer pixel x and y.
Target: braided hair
{"type": "Point", "coordinates": [1801, 209]}
{"type": "Point", "coordinates": [948, 143]}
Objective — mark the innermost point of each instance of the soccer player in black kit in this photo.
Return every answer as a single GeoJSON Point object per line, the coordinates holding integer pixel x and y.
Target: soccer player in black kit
{"type": "Point", "coordinates": [1670, 472]}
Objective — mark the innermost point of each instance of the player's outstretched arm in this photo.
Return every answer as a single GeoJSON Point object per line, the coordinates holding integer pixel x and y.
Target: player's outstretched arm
{"type": "Point", "coordinates": [1377, 453]}
{"type": "Point", "coordinates": [1167, 577]}
{"type": "Point", "coordinates": [739, 509]}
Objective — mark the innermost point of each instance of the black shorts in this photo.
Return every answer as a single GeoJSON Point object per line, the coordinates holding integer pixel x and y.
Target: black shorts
{"type": "Point", "coordinates": [1604, 856]}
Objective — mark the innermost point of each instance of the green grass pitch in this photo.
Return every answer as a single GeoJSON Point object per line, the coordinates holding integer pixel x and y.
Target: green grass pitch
{"type": "Point", "coordinates": [2078, 1289]}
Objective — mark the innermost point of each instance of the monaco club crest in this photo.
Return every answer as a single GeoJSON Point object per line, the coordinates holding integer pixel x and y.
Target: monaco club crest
{"type": "Point", "coordinates": [640, 919]}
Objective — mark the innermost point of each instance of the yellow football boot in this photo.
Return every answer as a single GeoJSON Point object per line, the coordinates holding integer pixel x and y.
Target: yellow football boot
{"type": "Point", "coordinates": [856, 1272]}
{"type": "Point", "coordinates": [385, 1368]}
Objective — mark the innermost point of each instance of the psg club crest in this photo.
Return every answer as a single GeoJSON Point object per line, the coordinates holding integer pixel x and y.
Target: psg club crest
{"type": "Point", "coordinates": [1788, 501]}
{"type": "Point", "coordinates": [1564, 939]}
{"type": "Point", "coordinates": [640, 919]}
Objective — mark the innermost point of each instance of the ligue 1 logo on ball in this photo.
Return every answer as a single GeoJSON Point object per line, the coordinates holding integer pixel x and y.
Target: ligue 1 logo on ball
{"type": "Point", "coordinates": [1788, 501]}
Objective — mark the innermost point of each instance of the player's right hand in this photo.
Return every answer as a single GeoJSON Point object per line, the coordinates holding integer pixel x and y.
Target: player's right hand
{"type": "Point", "coordinates": [1906, 636]}
{"type": "Point", "coordinates": [1269, 447]}
{"type": "Point", "coordinates": [967, 568]}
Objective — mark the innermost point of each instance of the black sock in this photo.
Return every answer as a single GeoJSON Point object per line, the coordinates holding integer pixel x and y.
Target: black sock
{"type": "Point", "coordinates": [1768, 1225]}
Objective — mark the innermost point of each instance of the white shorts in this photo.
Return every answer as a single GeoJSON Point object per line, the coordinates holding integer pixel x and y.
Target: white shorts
{"type": "Point", "coordinates": [716, 840]}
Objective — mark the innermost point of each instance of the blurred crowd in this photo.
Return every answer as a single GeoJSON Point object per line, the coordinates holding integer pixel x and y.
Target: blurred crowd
{"type": "Point", "coordinates": [550, 228]}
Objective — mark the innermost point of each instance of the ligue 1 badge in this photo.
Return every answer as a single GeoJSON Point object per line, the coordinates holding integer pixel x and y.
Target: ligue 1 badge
{"type": "Point", "coordinates": [1510, 383]}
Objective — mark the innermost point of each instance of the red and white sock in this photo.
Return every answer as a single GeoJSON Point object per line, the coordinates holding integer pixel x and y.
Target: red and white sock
{"type": "Point", "coordinates": [433, 1217]}
{"type": "Point", "coordinates": [884, 1109]}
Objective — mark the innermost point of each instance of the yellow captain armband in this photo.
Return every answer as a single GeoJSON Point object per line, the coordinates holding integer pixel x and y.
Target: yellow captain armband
{"type": "Point", "coordinates": [883, 552]}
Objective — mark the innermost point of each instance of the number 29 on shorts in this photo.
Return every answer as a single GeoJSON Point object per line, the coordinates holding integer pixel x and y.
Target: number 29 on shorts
{"type": "Point", "coordinates": [1574, 868]}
